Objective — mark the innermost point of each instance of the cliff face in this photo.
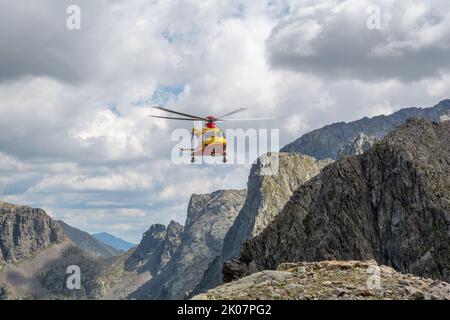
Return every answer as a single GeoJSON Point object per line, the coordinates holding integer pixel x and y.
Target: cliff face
{"type": "Point", "coordinates": [361, 144]}
{"type": "Point", "coordinates": [267, 194]}
{"type": "Point", "coordinates": [391, 204]}
{"type": "Point", "coordinates": [332, 280]}
{"type": "Point", "coordinates": [325, 142]}
{"type": "Point", "coordinates": [156, 248]}
{"type": "Point", "coordinates": [25, 231]}
{"type": "Point", "coordinates": [209, 218]}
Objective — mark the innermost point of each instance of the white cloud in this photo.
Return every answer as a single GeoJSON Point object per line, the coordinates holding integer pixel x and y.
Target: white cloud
{"type": "Point", "coordinates": [332, 40]}
{"type": "Point", "coordinates": [120, 181]}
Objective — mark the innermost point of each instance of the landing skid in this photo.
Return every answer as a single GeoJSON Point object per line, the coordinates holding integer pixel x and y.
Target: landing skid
{"type": "Point", "coordinates": [193, 155]}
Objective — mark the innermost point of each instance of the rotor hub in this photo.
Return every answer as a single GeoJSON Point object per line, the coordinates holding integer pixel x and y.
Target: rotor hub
{"type": "Point", "coordinates": [211, 122]}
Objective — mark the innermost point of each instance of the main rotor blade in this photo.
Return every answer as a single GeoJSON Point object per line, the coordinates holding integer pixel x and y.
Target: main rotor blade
{"type": "Point", "coordinates": [180, 113]}
{"type": "Point", "coordinates": [232, 112]}
{"type": "Point", "coordinates": [249, 119]}
{"type": "Point", "coordinates": [173, 118]}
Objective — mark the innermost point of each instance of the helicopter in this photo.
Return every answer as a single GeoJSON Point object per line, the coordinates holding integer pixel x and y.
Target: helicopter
{"type": "Point", "coordinates": [212, 139]}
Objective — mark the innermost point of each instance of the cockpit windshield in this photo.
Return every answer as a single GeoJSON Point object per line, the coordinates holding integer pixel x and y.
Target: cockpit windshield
{"type": "Point", "coordinates": [211, 134]}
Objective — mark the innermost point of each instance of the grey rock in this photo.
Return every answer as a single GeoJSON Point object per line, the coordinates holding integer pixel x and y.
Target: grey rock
{"type": "Point", "coordinates": [391, 204]}
{"type": "Point", "coordinates": [361, 144]}
{"type": "Point", "coordinates": [324, 143]}
{"type": "Point", "coordinates": [445, 116]}
{"type": "Point", "coordinates": [25, 231]}
{"type": "Point", "coordinates": [209, 218]}
{"type": "Point", "coordinates": [267, 194]}
{"type": "Point", "coordinates": [156, 249]}
{"type": "Point", "coordinates": [327, 280]}
{"type": "Point", "coordinates": [171, 243]}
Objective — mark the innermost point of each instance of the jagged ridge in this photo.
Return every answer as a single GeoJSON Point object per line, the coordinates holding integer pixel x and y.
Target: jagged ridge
{"type": "Point", "coordinates": [209, 218]}
{"type": "Point", "coordinates": [324, 143]}
{"type": "Point", "coordinates": [391, 204]}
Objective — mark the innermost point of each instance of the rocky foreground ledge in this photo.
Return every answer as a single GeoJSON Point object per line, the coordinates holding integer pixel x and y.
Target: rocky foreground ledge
{"type": "Point", "coordinates": [332, 280]}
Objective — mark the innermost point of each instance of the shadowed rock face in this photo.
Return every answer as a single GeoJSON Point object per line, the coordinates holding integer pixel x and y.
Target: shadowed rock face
{"type": "Point", "coordinates": [25, 231]}
{"type": "Point", "coordinates": [267, 194]}
{"type": "Point", "coordinates": [332, 280]}
{"type": "Point", "coordinates": [325, 142]}
{"type": "Point", "coordinates": [209, 218]}
{"type": "Point", "coordinates": [391, 204]}
{"type": "Point", "coordinates": [156, 248]}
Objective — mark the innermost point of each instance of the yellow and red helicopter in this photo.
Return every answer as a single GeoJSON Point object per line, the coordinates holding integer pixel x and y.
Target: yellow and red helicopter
{"type": "Point", "coordinates": [212, 140]}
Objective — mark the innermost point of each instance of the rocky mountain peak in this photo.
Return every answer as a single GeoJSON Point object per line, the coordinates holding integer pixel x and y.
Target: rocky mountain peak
{"type": "Point", "coordinates": [209, 217]}
{"type": "Point", "coordinates": [391, 204]}
{"type": "Point", "coordinates": [25, 231]}
{"type": "Point", "coordinates": [155, 249]}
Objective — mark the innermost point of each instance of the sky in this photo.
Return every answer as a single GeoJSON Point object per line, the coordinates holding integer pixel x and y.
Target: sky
{"type": "Point", "coordinates": [75, 136]}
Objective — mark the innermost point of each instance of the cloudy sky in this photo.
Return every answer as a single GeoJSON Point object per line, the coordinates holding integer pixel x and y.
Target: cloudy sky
{"type": "Point", "coordinates": [75, 137]}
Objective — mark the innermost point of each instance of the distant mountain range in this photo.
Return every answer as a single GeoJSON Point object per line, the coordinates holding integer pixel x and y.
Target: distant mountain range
{"type": "Point", "coordinates": [113, 241]}
{"type": "Point", "coordinates": [88, 243]}
{"type": "Point", "coordinates": [327, 142]}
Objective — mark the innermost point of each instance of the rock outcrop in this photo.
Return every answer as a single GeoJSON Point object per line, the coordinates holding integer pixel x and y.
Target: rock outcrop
{"type": "Point", "coordinates": [267, 195]}
{"type": "Point", "coordinates": [209, 217]}
{"type": "Point", "coordinates": [324, 143]}
{"type": "Point", "coordinates": [391, 204]}
{"type": "Point", "coordinates": [361, 144]}
{"type": "Point", "coordinates": [88, 243]}
{"type": "Point", "coordinates": [330, 280]}
{"type": "Point", "coordinates": [25, 231]}
{"type": "Point", "coordinates": [156, 248]}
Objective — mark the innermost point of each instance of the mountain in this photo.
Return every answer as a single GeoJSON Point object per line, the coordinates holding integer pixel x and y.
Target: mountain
{"type": "Point", "coordinates": [35, 255]}
{"type": "Point", "coordinates": [391, 204]}
{"type": "Point", "coordinates": [266, 196]}
{"type": "Point", "coordinates": [88, 243]}
{"type": "Point", "coordinates": [156, 248]}
{"type": "Point", "coordinates": [113, 241]}
{"type": "Point", "coordinates": [331, 280]}
{"type": "Point", "coordinates": [25, 231]}
{"type": "Point", "coordinates": [209, 217]}
{"type": "Point", "coordinates": [325, 142]}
